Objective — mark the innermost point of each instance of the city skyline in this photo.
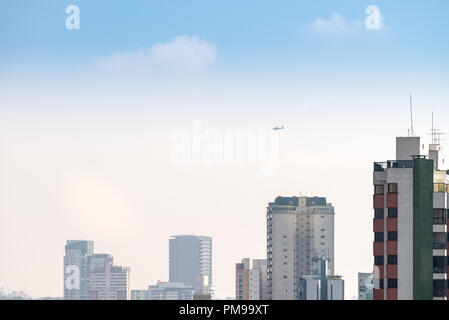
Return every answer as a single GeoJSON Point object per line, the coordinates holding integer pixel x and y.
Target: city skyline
{"type": "Point", "coordinates": [90, 117]}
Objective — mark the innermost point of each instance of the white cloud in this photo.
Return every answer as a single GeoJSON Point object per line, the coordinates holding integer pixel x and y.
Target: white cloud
{"type": "Point", "coordinates": [335, 24]}
{"type": "Point", "coordinates": [182, 53]}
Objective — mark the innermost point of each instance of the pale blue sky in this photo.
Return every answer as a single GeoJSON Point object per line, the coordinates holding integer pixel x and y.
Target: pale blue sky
{"type": "Point", "coordinates": [249, 35]}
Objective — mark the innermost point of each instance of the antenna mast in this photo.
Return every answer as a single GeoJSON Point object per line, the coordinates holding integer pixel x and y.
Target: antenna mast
{"type": "Point", "coordinates": [412, 131]}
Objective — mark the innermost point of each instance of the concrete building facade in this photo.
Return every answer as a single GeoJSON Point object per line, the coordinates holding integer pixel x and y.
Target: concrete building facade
{"type": "Point", "coordinates": [299, 230]}
{"type": "Point", "coordinates": [251, 279]}
{"type": "Point", "coordinates": [410, 224]}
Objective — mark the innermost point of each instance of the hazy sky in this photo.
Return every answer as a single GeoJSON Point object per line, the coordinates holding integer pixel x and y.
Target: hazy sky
{"type": "Point", "coordinates": [87, 119]}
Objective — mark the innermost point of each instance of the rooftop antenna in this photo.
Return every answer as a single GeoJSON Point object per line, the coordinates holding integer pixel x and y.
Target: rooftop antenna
{"type": "Point", "coordinates": [412, 131]}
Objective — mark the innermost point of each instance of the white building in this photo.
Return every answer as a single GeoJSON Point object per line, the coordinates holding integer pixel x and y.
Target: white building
{"type": "Point", "coordinates": [299, 229]}
{"type": "Point", "coordinates": [365, 285]}
{"type": "Point", "coordinates": [170, 291]}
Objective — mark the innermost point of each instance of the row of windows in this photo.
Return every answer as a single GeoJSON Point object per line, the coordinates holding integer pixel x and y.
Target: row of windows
{"type": "Point", "coordinates": [380, 189]}
{"type": "Point", "coordinates": [440, 216]}
{"type": "Point", "coordinates": [391, 259]}
{"type": "Point", "coordinates": [391, 236]}
{"type": "Point", "coordinates": [393, 188]}
{"type": "Point", "coordinates": [380, 213]}
{"type": "Point", "coordinates": [391, 283]}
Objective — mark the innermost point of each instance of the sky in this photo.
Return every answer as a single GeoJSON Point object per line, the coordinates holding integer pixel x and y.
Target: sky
{"type": "Point", "coordinates": [90, 118]}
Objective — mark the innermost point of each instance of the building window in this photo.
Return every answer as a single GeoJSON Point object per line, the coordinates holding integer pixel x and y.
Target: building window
{"type": "Point", "coordinates": [439, 288]}
{"type": "Point", "coordinates": [439, 216]}
{"type": "Point", "coordinates": [439, 265]}
{"type": "Point", "coordinates": [439, 187]}
{"type": "Point", "coordinates": [393, 283]}
{"type": "Point", "coordinates": [393, 259]}
{"type": "Point", "coordinates": [379, 260]}
{"type": "Point", "coordinates": [392, 212]}
{"type": "Point", "coordinates": [392, 236]}
{"type": "Point", "coordinates": [381, 283]}
{"type": "Point", "coordinates": [392, 188]}
{"type": "Point", "coordinates": [379, 189]}
{"type": "Point", "coordinates": [378, 236]}
{"type": "Point", "coordinates": [378, 213]}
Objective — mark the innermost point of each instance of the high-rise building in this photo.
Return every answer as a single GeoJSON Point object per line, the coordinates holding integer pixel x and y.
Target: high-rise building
{"type": "Point", "coordinates": [410, 233]}
{"type": "Point", "coordinates": [365, 284]}
{"type": "Point", "coordinates": [190, 262]}
{"type": "Point", "coordinates": [76, 269]}
{"type": "Point", "coordinates": [299, 230]}
{"type": "Point", "coordinates": [251, 279]}
{"type": "Point", "coordinates": [90, 276]}
{"type": "Point", "coordinates": [107, 281]}
{"type": "Point", "coordinates": [170, 291]}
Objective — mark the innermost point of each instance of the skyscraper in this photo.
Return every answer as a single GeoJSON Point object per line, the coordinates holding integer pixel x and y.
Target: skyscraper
{"type": "Point", "coordinates": [410, 234]}
{"type": "Point", "coordinates": [90, 276]}
{"type": "Point", "coordinates": [299, 230]}
{"type": "Point", "coordinates": [251, 279]}
{"type": "Point", "coordinates": [76, 269]}
{"type": "Point", "coordinates": [190, 262]}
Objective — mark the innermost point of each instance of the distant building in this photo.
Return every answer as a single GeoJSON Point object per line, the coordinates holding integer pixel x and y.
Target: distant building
{"type": "Point", "coordinates": [310, 288]}
{"type": "Point", "coordinates": [77, 269]}
{"type": "Point", "coordinates": [106, 281]}
{"type": "Point", "coordinates": [190, 262]}
{"type": "Point", "coordinates": [251, 279]}
{"type": "Point", "coordinates": [299, 229]}
{"type": "Point", "coordinates": [319, 285]}
{"type": "Point", "coordinates": [139, 294]}
{"type": "Point", "coordinates": [90, 276]}
{"type": "Point", "coordinates": [366, 285]}
{"type": "Point", "coordinates": [170, 291]}
{"type": "Point", "coordinates": [335, 288]}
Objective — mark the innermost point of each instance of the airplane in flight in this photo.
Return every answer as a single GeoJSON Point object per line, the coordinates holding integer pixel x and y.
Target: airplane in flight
{"type": "Point", "coordinates": [278, 128]}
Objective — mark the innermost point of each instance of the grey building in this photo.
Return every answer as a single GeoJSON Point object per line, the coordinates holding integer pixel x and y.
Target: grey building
{"type": "Point", "coordinates": [90, 276]}
{"type": "Point", "coordinates": [190, 262]}
{"type": "Point", "coordinates": [76, 269]}
{"type": "Point", "coordinates": [299, 230]}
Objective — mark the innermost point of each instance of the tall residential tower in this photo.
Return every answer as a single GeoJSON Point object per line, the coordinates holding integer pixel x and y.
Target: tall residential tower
{"type": "Point", "coordinates": [300, 231]}
{"type": "Point", "coordinates": [410, 234]}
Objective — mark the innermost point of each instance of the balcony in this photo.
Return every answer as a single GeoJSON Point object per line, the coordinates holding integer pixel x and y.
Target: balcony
{"type": "Point", "coordinates": [382, 166]}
